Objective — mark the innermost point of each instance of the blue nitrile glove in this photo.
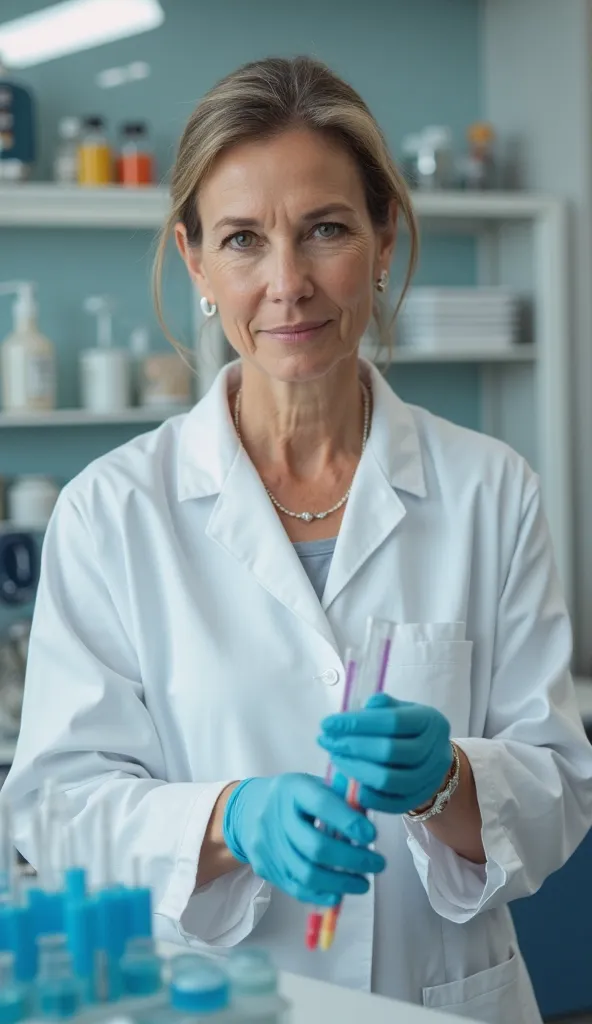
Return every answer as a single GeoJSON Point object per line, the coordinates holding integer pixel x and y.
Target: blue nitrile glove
{"type": "Point", "coordinates": [269, 823]}
{"type": "Point", "coordinates": [398, 751]}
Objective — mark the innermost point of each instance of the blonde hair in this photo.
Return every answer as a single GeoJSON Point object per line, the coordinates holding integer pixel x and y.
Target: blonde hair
{"type": "Point", "coordinates": [259, 101]}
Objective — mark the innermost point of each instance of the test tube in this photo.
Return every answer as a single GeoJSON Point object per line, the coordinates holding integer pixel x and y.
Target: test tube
{"type": "Point", "coordinates": [315, 917]}
{"type": "Point", "coordinates": [371, 680]}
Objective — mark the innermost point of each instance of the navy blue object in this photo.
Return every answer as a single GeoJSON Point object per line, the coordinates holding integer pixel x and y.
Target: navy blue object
{"type": "Point", "coordinates": [19, 568]}
{"type": "Point", "coordinates": [555, 934]}
{"type": "Point", "coordinates": [399, 752]}
{"type": "Point", "coordinates": [18, 134]}
{"type": "Point", "coordinates": [269, 823]}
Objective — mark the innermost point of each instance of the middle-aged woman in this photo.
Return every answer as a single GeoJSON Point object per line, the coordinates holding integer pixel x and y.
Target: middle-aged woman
{"type": "Point", "coordinates": [200, 585]}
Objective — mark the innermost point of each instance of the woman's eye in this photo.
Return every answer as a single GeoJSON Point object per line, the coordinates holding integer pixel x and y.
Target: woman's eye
{"type": "Point", "coordinates": [330, 230]}
{"type": "Point", "coordinates": [241, 240]}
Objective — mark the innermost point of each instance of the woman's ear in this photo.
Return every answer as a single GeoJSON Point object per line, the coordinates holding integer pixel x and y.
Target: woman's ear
{"type": "Point", "coordinates": [191, 256]}
{"type": "Point", "coordinates": [388, 237]}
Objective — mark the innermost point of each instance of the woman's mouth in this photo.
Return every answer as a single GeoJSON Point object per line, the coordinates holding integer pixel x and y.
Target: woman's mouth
{"type": "Point", "coordinates": [300, 331]}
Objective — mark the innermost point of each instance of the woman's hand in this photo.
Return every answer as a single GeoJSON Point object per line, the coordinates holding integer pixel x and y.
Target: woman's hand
{"type": "Point", "coordinates": [270, 823]}
{"type": "Point", "coordinates": [399, 752]}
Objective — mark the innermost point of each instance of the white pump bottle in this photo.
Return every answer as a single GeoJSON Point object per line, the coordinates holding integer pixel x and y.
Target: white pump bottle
{"type": "Point", "coordinates": [27, 357]}
{"type": "Point", "coordinates": [105, 383]}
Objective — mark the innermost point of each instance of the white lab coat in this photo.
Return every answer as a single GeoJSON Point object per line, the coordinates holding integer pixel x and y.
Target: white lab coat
{"type": "Point", "coordinates": [178, 645]}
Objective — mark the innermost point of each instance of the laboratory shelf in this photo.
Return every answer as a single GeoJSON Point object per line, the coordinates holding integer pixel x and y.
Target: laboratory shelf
{"type": "Point", "coordinates": [46, 204]}
{"type": "Point", "coordinates": [83, 418]}
{"type": "Point", "coordinates": [525, 353]}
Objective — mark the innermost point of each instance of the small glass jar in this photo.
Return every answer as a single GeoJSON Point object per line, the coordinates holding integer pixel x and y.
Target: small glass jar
{"type": "Point", "coordinates": [65, 163]}
{"type": "Point", "coordinates": [94, 154]}
{"type": "Point", "coordinates": [136, 162]}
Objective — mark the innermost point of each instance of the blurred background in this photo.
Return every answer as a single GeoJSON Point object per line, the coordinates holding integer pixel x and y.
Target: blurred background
{"type": "Point", "coordinates": [487, 105]}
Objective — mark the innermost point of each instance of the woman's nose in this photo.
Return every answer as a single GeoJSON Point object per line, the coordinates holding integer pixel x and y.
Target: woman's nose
{"type": "Point", "coordinates": [289, 277]}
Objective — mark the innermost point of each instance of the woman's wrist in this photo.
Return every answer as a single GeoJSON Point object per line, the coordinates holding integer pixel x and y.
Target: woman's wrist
{"type": "Point", "coordinates": [215, 858]}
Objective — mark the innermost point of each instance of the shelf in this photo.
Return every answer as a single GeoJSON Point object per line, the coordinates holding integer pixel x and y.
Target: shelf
{"type": "Point", "coordinates": [82, 418]}
{"type": "Point", "coordinates": [49, 205]}
{"type": "Point", "coordinates": [8, 527]}
{"type": "Point", "coordinates": [406, 354]}
{"type": "Point", "coordinates": [56, 206]}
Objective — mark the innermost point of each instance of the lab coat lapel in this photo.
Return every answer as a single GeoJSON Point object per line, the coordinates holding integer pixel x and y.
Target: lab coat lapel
{"type": "Point", "coordinates": [391, 463]}
{"type": "Point", "coordinates": [245, 524]}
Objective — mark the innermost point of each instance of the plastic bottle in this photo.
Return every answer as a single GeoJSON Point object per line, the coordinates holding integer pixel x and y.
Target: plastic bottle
{"type": "Point", "coordinates": [141, 968]}
{"type": "Point", "coordinates": [27, 357]}
{"type": "Point", "coordinates": [13, 1002]}
{"type": "Point", "coordinates": [65, 163]}
{"type": "Point", "coordinates": [254, 988]}
{"type": "Point", "coordinates": [57, 989]}
{"type": "Point", "coordinates": [104, 370]}
{"type": "Point", "coordinates": [94, 154]}
{"type": "Point", "coordinates": [17, 128]}
{"type": "Point", "coordinates": [161, 379]}
{"type": "Point", "coordinates": [136, 163]}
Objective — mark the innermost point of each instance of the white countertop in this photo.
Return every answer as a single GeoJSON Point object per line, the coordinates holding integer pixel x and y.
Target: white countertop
{"type": "Point", "coordinates": [316, 1002]}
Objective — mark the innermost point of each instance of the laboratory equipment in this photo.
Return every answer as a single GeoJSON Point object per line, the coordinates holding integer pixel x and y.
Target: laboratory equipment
{"type": "Point", "coordinates": [94, 154]}
{"type": "Point", "coordinates": [104, 371]}
{"type": "Point", "coordinates": [135, 163]}
{"type": "Point", "coordinates": [27, 357]}
{"type": "Point", "coordinates": [199, 989]}
{"type": "Point", "coordinates": [427, 158]}
{"type": "Point", "coordinates": [31, 500]}
{"type": "Point", "coordinates": [315, 918]}
{"type": "Point", "coordinates": [19, 567]}
{"type": "Point", "coordinates": [57, 990]}
{"type": "Point", "coordinates": [65, 163]}
{"type": "Point", "coordinates": [13, 1003]}
{"type": "Point", "coordinates": [17, 128]}
{"type": "Point", "coordinates": [141, 967]}
{"type": "Point", "coordinates": [254, 987]}
{"type": "Point", "coordinates": [368, 680]}
{"type": "Point", "coordinates": [478, 169]}
{"type": "Point", "coordinates": [160, 378]}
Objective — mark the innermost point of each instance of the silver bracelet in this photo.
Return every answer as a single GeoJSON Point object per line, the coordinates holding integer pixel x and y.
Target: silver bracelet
{"type": "Point", "coordinates": [442, 798]}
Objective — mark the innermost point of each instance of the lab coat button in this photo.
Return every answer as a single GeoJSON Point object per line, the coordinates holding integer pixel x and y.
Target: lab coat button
{"type": "Point", "coordinates": [330, 677]}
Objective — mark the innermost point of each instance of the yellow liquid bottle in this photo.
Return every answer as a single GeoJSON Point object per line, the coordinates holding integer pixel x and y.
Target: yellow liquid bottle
{"type": "Point", "coordinates": [95, 162]}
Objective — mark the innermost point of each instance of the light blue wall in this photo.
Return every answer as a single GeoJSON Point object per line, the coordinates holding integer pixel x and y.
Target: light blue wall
{"type": "Point", "coordinates": [414, 61]}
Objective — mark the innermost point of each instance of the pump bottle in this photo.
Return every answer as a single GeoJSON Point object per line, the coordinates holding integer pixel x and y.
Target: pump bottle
{"type": "Point", "coordinates": [27, 357]}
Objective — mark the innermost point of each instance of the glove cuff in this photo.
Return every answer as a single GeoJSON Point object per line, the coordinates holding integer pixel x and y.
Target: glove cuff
{"type": "Point", "coordinates": [228, 824]}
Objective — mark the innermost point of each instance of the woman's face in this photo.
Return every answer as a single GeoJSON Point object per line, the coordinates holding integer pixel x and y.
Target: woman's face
{"type": "Point", "coordinates": [289, 253]}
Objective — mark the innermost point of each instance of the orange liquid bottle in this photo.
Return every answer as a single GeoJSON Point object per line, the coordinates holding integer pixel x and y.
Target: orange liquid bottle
{"type": "Point", "coordinates": [136, 163]}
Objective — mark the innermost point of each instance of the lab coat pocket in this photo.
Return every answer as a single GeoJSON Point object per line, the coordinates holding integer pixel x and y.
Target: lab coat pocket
{"type": "Point", "coordinates": [492, 996]}
{"type": "Point", "coordinates": [431, 664]}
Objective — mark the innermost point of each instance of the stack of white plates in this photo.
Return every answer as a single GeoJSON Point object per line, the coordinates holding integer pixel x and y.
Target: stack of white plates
{"type": "Point", "coordinates": [460, 319]}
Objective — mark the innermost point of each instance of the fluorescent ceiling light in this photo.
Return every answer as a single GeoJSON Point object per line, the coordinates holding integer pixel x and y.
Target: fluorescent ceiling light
{"type": "Point", "coordinates": [73, 26]}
